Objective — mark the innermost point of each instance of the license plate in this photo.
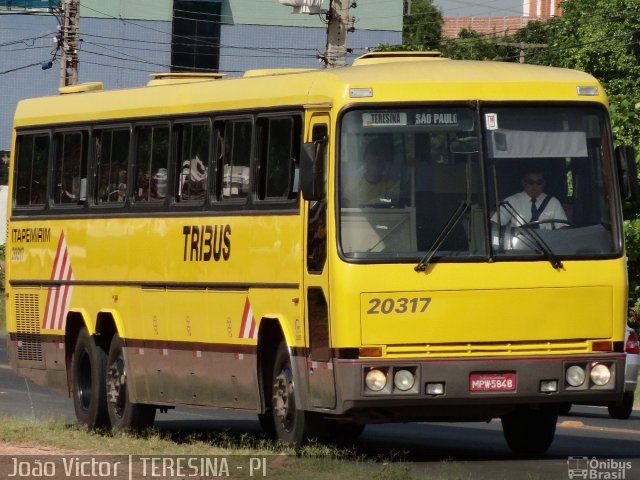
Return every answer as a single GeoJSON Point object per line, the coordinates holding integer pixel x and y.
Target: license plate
{"type": "Point", "coordinates": [492, 382]}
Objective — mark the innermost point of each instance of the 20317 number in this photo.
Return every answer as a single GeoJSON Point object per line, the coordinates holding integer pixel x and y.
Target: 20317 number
{"type": "Point", "coordinates": [385, 306]}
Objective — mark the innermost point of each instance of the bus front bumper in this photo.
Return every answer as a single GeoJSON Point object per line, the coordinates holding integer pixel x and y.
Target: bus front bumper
{"type": "Point", "coordinates": [412, 389]}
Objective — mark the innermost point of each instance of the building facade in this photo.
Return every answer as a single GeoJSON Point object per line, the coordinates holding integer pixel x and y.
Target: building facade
{"type": "Point", "coordinates": [494, 17]}
{"type": "Point", "coordinates": [124, 41]}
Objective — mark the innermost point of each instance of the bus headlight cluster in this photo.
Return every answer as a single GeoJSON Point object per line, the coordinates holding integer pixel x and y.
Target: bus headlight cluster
{"type": "Point", "coordinates": [385, 380]}
{"type": "Point", "coordinates": [590, 375]}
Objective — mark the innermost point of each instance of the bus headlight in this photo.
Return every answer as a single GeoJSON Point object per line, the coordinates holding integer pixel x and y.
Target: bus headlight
{"type": "Point", "coordinates": [376, 380]}
{"type": "Point", "coordinates": [403, 380]}
{"type": "Point", "coordinates": [600, 374]}
{"type": "Point", "coordinates": [575, 375]}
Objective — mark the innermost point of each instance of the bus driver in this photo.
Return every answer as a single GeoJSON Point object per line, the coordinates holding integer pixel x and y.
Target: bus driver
{"type": "Point", "coordinates": [532, 205]}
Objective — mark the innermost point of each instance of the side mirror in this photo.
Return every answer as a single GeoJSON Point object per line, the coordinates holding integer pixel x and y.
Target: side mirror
{"type": "Point", "coordinates": [627, 172]}
{"type": "Point", "coordinates": [312, 169]}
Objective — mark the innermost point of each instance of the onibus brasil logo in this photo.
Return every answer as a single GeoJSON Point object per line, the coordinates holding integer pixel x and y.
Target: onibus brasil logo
{"type": "Point", "coordinates": [593, 468]}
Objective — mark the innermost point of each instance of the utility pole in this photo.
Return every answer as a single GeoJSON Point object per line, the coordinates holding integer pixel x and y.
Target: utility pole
{"type": "Point", "coordinates": [69, 42]}
{"type": "Point", "coordinates": [338, 20]}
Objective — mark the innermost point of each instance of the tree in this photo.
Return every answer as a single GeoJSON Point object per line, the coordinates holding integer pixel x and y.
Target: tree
{"type": "Point", "coordinates": [471, 45]}
{"type": "Point", "coordinates": [422, 26]}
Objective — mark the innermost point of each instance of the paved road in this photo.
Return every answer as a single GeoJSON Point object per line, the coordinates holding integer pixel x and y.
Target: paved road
{"type": "Point", "coordinates": [456, 450]}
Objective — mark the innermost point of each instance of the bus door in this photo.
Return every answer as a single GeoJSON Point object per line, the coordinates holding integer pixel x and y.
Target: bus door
{"type": "Point", "coordinates": [322, 389]}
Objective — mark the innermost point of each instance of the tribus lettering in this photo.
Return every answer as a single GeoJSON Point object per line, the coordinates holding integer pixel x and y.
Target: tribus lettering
{"type": "Point", "coordinates": [204, 242]}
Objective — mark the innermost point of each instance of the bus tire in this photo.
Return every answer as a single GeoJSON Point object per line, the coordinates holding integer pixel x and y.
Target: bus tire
{"type": "Point", "coordinates": [530, 432]}
{"type": "Point", "coordinates": [622, 411]}
{"type": "Point", "coordinates": [88, 370]}
{"type": "Point", "coordinates": [123, 414]}
{"type": "Point", "coordinates": [292, 426]}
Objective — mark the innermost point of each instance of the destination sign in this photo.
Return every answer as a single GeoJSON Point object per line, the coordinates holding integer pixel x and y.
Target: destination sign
{"type": "Point", "coordinates": [384, 118]}
{"type": "Point", "coordinates": [429, 118]}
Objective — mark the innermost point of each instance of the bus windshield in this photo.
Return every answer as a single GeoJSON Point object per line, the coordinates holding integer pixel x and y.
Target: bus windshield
{"type": "Point", "coordinates": [529, 180]}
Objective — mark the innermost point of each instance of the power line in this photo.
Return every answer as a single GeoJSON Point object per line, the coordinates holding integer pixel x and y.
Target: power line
{"type": "Point", "coordinates": [19, 68]}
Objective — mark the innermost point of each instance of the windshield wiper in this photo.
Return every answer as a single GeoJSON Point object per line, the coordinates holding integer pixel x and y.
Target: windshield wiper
{"type": "Point", "coordinates": [453, 221]}
{"type": "Point", "coordinates": [533, 235]}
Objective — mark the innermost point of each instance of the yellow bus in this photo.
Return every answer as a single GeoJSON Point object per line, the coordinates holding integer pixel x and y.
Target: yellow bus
{"type": "Point", "coordinates": [326, 248]}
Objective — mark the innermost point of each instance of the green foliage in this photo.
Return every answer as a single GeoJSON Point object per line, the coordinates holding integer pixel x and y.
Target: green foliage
{"type": "Point", "coordinates": [422, 29]}
{"type": "Point", "coordinates": [471, 45]}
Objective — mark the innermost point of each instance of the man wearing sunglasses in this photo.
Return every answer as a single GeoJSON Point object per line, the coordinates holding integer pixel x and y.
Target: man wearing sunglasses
{"type": "Point", "coordinates": [532, 206]}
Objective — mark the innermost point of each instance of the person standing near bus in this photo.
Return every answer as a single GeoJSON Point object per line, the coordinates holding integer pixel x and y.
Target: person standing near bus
{"type": "Point", "coordinates": [532, 205]}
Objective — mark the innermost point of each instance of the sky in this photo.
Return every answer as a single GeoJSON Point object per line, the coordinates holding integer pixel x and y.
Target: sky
{"type": "Point", "coordinates": [480, 8]}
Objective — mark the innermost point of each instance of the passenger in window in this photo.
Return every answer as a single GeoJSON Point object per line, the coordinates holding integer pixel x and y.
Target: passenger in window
{"type": "Point", "coordinates": [375, 185]}
{"type": "Point", "coordinates": [194, 179]}
{"type": "Point", "coordinates": [532, 207]}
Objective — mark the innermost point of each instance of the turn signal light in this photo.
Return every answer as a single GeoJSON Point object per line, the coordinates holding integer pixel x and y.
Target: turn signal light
{"type": "Point", "coordinates": [602, 346]}
{"type": "Point", "coordinates": [370, 352]}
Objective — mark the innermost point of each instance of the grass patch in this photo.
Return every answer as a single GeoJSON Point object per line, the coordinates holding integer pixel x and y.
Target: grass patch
{"type": "Point", "coordinates": [313, 462]}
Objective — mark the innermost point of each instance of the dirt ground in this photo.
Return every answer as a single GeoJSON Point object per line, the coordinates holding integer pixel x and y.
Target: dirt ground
{"type": "Point", "coordinates": [31, 449]}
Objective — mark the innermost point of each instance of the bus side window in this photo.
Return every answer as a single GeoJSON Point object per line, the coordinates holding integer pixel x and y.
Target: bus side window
{"type": "Point", "coordinates": [112, 155]}
{"type": "Point", "coordinates": [31, 169]}
{"type": "Point", "coordinates": [70, 167]}
{"type": "Point", "coordinates": [151, 164]}
{"type": "Point", "coordinates": [278, 146]}
{"type": "Point", "coordinates": [192, 148]}
{"type": "Point", "coordinates": [234, 157]}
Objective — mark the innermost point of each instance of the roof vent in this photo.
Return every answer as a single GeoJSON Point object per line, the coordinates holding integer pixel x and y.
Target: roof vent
{"type": "Point", "coordinates": [81, 88]}
{"type": "Point", "coordinates": [275, 71]}
{"type": "Point", "coordinates": [372, 58]}
{"type": "Point", "coordinates": [169, 78]}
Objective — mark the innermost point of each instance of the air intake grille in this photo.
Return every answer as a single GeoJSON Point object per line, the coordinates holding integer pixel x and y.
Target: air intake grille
{"type": "Point", "coordinates": [28, 327]}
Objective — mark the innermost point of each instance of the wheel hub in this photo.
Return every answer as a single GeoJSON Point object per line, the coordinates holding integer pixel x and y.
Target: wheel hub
{"type": "Point", "coordinates": [283, 401]}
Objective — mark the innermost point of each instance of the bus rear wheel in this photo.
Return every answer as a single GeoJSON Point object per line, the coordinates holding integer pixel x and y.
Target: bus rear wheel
{"type": "Point", "coordinates": [529, 432]}
{"type": "Point", "coordinates": [292, 425]}
{"type": "Point", "coordinates": [123, 414]}
{"type": "Point", "coordinates": [88, 366]}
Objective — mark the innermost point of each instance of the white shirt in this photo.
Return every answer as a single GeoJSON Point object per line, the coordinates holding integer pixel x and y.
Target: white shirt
{"type": "Point", "coordinates": [521, 203]}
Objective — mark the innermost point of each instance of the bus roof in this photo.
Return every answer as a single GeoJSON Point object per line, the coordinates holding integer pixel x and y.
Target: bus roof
{"type": "Point", "coordinates": [396, 81]}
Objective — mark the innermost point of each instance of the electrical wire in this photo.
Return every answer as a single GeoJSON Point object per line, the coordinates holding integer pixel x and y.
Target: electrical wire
{"type": "Point", "coordinates": [19, 68]}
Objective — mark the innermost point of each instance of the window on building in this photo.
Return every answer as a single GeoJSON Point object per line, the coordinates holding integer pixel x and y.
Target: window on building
{"type": "Point", "coordinates": [195, 42]}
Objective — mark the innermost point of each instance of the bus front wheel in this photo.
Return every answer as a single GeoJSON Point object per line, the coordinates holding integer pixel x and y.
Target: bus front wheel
{"type": "Point", "coordinates": [123, 414]}
{"type": "Point", "coordinates": [88, 366]}
{"type": "Point", "coordinates": [529, 432]}
{"type": "Point", "coordinates": [292, 425]}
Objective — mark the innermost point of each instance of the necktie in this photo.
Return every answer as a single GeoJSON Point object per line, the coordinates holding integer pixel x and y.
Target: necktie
{"type": "Point", "coordinates": [534, 212]}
